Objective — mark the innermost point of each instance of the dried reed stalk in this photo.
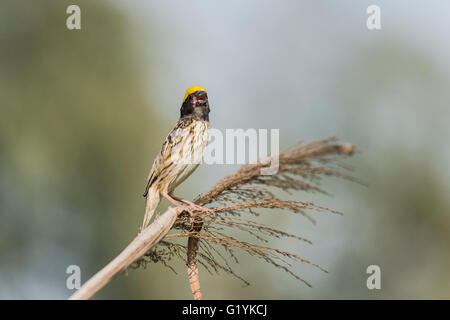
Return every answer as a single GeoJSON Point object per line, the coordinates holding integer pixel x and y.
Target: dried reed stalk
{"type": "Point", "coordinates": [300, 168]}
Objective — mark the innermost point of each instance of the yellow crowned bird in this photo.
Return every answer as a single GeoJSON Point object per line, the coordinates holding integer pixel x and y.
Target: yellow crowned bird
{"type": "Point", "coordinates": [180, 154]}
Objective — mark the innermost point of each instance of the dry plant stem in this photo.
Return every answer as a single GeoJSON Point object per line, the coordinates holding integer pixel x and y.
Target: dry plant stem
{"type": "Point", "coordinates": [250, 174]}
{"type": "Point", "coordinates": [307, 162]}
{"type": "Point", "coordinates": [137, 248]}
{"type": "Point", "coordinates": [193, 265]}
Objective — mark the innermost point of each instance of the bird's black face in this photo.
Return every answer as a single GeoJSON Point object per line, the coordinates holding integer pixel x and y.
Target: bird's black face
{"type": "Point", "coordinates": [196, 105]}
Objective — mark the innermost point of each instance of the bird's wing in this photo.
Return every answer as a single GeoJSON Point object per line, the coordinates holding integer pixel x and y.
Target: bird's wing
{"type": "Point", "coordinates": [164, 159]}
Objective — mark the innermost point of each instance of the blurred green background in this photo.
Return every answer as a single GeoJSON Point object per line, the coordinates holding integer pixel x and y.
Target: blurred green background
{"type": "Point", "coordinates": [84, 112]}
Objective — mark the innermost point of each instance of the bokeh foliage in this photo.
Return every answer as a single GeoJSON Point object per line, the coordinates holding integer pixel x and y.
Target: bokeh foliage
{"type": "Point", "coordinates": [76, 132]}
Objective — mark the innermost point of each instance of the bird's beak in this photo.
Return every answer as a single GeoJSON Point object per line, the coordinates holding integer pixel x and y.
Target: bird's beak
{"type": "Point", "coordinates": [200, 98]}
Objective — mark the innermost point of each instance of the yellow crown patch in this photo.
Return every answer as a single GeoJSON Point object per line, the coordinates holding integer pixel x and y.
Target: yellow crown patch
{"type": "Point", "coordinates": [192, 90]}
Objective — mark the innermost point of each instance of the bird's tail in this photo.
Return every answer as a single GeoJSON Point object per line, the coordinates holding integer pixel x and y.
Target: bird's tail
{"type": "Point", "coordinates": [152, 201]}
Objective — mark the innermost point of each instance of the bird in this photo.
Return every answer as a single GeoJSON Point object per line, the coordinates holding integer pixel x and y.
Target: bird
{"type": "Point", "coordinates": [180, 154]}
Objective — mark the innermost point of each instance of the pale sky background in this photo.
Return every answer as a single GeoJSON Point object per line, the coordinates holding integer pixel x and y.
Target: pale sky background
{"type": "Point", "coordinates": [251, 50]}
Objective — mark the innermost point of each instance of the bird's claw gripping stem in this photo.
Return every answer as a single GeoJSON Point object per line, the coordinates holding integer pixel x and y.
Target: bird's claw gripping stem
{"type": "Point", "coordinates": [189, 207]}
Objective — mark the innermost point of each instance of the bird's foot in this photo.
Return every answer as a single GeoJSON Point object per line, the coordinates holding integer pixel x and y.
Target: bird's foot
{"type": "Point", "coordinates": [196, 206]}
{"type": "Point", "coordinates": [189, 207]}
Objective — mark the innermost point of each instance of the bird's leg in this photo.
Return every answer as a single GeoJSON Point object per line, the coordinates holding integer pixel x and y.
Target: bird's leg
{"type": "Point", "coordinates": [174, 201]}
